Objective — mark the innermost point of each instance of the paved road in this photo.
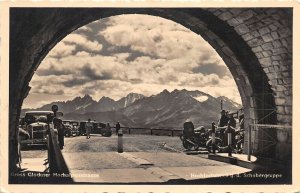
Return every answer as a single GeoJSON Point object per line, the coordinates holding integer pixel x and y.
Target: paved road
{"type": "Point", "coordinates": [132, 143]}
{"type": "Point", "coordinates": [146, 159]}
{"type": "Point", "coordinates": [97, 143]}
{"type": "Point", "coordinates": [143, 146]}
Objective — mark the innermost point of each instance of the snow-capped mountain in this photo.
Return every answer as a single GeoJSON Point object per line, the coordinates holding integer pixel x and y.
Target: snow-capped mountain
{"type": "Point", "coordinates": [173, 108]}
{"type": "Point", "coordinates": [166, 109]}
{"type": "Point", "coordinates": [78, 104]}
{"type": "Point", "coordinates": [129, 99]}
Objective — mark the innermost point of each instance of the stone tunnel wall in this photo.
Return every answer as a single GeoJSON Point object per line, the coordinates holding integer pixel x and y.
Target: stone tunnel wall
{"type": "Point", "coordinates": [268, 32]}
{"type": "Point", "coordinates": [256, 45]}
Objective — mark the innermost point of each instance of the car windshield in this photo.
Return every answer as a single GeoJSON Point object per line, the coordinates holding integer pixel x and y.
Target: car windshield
{"type": "Point", "coordinates": [32, 118]}
{"type": "Point", "coordinates": [66, 122]}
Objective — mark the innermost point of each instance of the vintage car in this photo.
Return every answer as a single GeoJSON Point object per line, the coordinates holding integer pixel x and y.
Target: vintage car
{"type": "Point", "coordinates": [71, 128]}
{"type": "Point", "coordinates": [82, 129]}
{"type": "Point", "coordinates": [98, 128]}
{"type": "Point", "coordinates": [104, 130]}
{"type": "Point", "coordinates": [23, 134]}
{"type": "Point", "coordinates": [68, 128]}
{"type": "Point", "coordinates": [22, 122]}
{"type": "Point", "coordinates": [37, 124]}
{"type": "Point", "coordinates": [75, 125]}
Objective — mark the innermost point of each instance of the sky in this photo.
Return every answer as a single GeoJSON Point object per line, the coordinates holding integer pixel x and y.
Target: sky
{"type": "Point", "coordinates": [122, 54]}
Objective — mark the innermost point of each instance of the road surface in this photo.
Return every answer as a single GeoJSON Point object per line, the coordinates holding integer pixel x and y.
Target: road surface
{"type": "Point", "coordinates": [146, 159]}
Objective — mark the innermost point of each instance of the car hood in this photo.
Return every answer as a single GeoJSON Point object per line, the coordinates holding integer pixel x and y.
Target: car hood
{"type": "Point", "coordinates": [38, 124]}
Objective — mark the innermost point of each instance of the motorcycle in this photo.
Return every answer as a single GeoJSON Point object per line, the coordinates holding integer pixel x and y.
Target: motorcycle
{"type": "Point", "coordinates": [194, 140]}
{"type": "Point", "coordinates": [238, 144]}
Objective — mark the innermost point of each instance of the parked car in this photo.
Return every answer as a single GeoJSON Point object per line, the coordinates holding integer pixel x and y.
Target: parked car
{"type": "Point", "coordinates": [82, 130]}
{"type": "Point", "coordinates": [75, 125]}
{"type": "Point", "coordinates": [37, 124]}
{"type": "Point", "coordinates": [22, 122]}
{"type": "Point", "coordinates": [98, 128]}
{"type": "Point", "coordinates": [71, 128]}
{"type": "Point", "coordinates": [68, 128]}
{"type": "Point", "coordinates": [106, 131]}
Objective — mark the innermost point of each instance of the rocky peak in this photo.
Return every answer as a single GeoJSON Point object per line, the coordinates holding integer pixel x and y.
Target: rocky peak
{"type": "Point", "coordinates": [106, 99]}
{"type": "Point", "coordinates": [163, 93]}
{"type": "Point", "coordinates": [129, 99]}
{"type": "Point", "coordinates": [85, 98]}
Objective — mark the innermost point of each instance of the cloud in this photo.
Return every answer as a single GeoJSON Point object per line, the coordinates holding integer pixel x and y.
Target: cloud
{"type": "Point", "coordinates": [46, 89]}
{"type": "Point", "coordinates": [61, 50]}
{"type": "Point", "coordinates": [142, 71]}
{"type": "Point", "coordinates": [91, 73]}
{"type": "Point", "coordinates": [81, 40]}
{"type": "Point", "coordinates": [75, 82]}
{"type": "Point", "coordinates": [212, 68]}
{"type": "Point", "coordinates": [35, 100]}
{"type": "Point", "coordinates": [85, 28]}
{"type": "Point", "coordinates": [199, 80]}
{"type": "Point", "coordinates": [74, 43]}
{"type": "Point", "coordinates": [132, 53]}
{"type": "Point", "coordinates": [155, 37]}
{"type": "Point", "coordinates": [51, 68]}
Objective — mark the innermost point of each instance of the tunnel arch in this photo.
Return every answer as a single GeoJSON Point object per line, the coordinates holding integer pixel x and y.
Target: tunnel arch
{"type": "Point", "coordinates": [254, 44]}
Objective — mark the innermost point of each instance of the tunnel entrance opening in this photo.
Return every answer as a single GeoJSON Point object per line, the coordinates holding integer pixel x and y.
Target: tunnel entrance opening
{"type": "Point", "coordinates": [233, 33]}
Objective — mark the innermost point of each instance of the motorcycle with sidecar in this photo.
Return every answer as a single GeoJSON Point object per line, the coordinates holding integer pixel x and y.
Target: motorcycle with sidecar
{"type": "Point", "coordinates": [200, 137]}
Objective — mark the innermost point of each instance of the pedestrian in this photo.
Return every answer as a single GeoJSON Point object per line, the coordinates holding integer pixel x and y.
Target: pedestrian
{"type": "Point", "coordinates": [108, 128]}
{"type": "Point", "coordinates": [58, 124]}
{"type": "Point", "coordinates": [88, 128]}
{"type": "Point", "coordinates": [232, 126]}
{"type": "Point", "coordinates": [222, 125]}
{"type": "Point", "coordinates": [117, 128]}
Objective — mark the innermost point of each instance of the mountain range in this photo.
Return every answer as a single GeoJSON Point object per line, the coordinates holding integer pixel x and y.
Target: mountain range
{"type": "Point", "coordinates": [166, 109]}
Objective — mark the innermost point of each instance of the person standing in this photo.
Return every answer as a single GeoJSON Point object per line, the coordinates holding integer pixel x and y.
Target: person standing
{"type": "Point", "coordinates": [232, 126]}
{"type": "Point", "coordinates": [222, 125]}
{"type": "Point", "coordinates": [58, 124]}
{"type": "Point", "coordinates": [88, 128]}
{"type": "Point", "coordinates": [117, 128]}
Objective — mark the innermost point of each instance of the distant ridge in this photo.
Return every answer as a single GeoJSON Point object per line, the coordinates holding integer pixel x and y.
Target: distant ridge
{"type": "Point", "coordinates": [166, 109]}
